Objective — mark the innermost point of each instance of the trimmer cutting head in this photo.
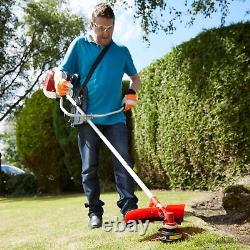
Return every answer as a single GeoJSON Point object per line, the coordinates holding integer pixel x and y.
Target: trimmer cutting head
{"type": "Point", "coordinates": [171, 215]}
{"type": "Point", "coordinates": [156, 214]}
{"type": "Point", "coordinates": [166, 235]}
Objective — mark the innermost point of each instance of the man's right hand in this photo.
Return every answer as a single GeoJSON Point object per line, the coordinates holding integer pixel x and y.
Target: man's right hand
{"type": "Point", "coordinates": [63, 87]}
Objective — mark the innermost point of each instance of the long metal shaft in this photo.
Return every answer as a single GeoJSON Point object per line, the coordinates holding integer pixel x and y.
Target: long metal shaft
{"type": "Point", "coordinates": [114, 151]}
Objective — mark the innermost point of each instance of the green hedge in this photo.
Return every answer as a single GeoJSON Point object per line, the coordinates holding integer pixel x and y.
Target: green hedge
{"type": "Point", "coordinates": [67, 140]}
{"type": "Point", "coordinates": [192, 124]}
{"type": "Point", "coordinates": [18, 185]}
{"type": "Point", "coordinates": [37, 145]}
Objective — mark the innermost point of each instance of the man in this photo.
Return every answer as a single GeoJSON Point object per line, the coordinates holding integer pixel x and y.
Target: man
{"type": "Point", "coordinates": [104, 95]}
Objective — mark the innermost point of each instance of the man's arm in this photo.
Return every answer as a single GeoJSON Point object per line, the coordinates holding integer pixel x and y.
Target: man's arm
{"type": "Point", "coordinates": [136, 82]}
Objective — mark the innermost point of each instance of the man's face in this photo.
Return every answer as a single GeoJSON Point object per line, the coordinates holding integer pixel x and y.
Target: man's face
{"type": "Point", "coordinates": [103, 30]}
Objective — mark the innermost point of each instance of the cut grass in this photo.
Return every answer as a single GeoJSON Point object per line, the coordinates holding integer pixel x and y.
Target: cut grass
{"type": "Point", "coordinates": [60, 222]}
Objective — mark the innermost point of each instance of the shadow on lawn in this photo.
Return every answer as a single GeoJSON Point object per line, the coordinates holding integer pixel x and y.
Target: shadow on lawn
{"type": "Point", "coordinates": [187, 233]}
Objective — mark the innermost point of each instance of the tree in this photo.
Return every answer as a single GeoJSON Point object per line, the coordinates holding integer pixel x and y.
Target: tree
{"type": "Point", "coordinates": [7, 30]}
{"type": "Point", "coordinates": [30, 44]}
{"type": "Point", "coordinates": [162, 14]}
{"type": "Point", "coordinates": [9, 139]}
{"type": "Point", "coordinates": [37, 145]}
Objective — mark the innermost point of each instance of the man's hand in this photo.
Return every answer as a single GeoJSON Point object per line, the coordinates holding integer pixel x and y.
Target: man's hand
{"type": "Point", "coordinates": [63, 87]}
{"type": "Point", "coordinates": [129, 100]}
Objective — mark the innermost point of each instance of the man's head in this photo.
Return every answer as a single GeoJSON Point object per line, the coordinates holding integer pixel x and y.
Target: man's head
{"type": "Point", "coordinates": [102, 24]}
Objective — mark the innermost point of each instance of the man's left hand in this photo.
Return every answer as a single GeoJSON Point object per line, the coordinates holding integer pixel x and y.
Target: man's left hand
{"type": "Point", "coordinates": [129, 100]}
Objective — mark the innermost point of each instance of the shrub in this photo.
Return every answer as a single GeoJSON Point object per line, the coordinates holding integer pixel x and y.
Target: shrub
{"type": "Point", "coordinates": [14, 185]}
{"type": "Point", "coordinates": [37, 145]}
{"type": "Point", "coordinates": [67, 140]}
{"type": "Point", "coordinates": [193, 123]}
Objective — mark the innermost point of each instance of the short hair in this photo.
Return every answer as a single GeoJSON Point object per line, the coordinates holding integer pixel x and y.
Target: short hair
{"type": "Point", "coordinates": [103, 10]}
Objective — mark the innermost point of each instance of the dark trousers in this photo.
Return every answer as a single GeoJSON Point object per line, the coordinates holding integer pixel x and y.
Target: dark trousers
{"type": "Point", "coordinates": [89, 145]}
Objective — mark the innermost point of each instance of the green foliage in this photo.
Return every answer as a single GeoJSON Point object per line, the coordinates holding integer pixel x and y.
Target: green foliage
{"type": "Point", "coordinates": [33, 44]}
{"type": "Point", "coordinates": [8, 137]}
{"type": "Point", "coordinates": [192, 122]}
{"type": "Point", "coordinates": [145, 132]}
{"type": "Point", "coordinates": [37, 145]}
{"type": "Point", "coordinates": [18, 185]}
{"type": "Point", "coordinates": [165, 15]}
{"type": "Point", "coordinates": [67, 140]}
{"type": "Point", "coordinates": [51, 30]}
{"type": "Point", "coordinates": [6, 16]}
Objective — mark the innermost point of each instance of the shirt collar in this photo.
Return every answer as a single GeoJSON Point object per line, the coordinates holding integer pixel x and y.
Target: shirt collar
{"type": "Point", "coordinates": [90, 38]}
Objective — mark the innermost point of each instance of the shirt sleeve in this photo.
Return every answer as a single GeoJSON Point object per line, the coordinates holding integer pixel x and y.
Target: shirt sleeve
{"type": "Point", "coordinates": [130, 69]}
{"type": "Point", "coordinates": [69, 63]}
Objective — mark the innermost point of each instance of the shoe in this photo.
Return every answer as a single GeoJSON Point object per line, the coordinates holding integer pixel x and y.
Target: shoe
{"type": "Point", "coordinates": [130, 209]}
{"type": "Point", "coordinates": [95, 221]}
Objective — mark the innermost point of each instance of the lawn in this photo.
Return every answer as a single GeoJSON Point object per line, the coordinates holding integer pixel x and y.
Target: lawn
{"type": "Point", "coordinates": [60, 222]}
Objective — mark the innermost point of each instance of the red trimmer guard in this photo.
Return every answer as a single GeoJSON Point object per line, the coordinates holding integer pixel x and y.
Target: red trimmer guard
{"type": "Point", "coordinates": [155, 213]}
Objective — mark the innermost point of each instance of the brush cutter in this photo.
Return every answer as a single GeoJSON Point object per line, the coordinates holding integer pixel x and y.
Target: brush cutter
{"type": "Point", "coordinates": [171, 215]}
